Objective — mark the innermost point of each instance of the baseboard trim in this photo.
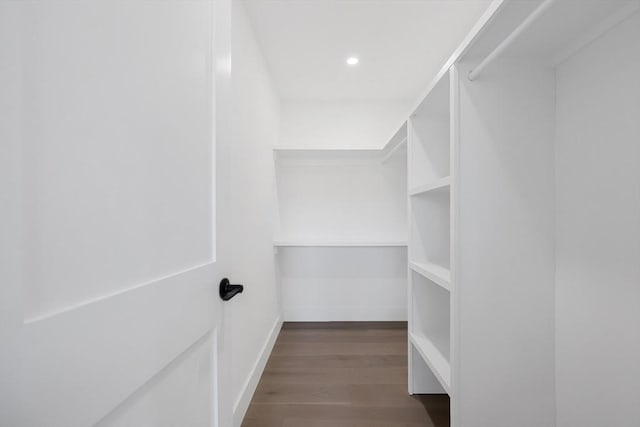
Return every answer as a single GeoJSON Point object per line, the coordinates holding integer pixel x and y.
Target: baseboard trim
{"type": "Point", "coordinates": [345, 314]}
{"type": "Point", "coordinates": [345, 325]}
{"type": "Point", "coordinates": [248, 389]}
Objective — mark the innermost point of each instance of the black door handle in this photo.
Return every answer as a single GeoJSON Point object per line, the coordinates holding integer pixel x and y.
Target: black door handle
{"type": "Point", "coordinates": [228, 291]}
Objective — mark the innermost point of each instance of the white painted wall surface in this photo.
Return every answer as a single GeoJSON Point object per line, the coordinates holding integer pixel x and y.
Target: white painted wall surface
{"type": "Point", "coordinates": [343, 284]}
{"type": "Point", "coordinates": [256, 120]}
{"type": "Point", "coordinates": [598, 233]}
{"type": "Point", "coordinates": [336, 200]}
{"type": "Point", "coordinates": [341, 124]}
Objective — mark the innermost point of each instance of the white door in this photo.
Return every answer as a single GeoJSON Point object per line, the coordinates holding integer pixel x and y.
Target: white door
{"type": "Point", "coordinates": [112, 224]}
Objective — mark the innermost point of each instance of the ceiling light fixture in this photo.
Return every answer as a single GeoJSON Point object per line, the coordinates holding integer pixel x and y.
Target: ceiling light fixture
{"type": "Point", "coordinates": [352, 61]}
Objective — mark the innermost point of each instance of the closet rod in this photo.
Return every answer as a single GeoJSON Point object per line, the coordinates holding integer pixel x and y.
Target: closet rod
{"type": "Point", "coordinates": [544, 6]}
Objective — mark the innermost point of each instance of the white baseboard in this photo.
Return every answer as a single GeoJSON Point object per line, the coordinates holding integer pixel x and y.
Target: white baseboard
{"type": "Point", "coordinates": [345, 314]}
{"type": "Point", "coordinates": [244, 399]}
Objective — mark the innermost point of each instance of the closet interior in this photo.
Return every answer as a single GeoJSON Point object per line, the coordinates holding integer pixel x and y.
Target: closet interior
{"type": "Point", "coordinates": [502, 220]}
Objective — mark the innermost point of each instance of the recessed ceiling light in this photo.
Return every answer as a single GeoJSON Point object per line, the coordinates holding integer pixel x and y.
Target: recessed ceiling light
{"type": "Point", "coordinates": [352, 60]}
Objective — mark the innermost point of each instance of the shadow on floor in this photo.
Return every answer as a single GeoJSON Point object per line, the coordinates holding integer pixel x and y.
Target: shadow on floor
{"type": "Point", "coordinates": [437, 408]}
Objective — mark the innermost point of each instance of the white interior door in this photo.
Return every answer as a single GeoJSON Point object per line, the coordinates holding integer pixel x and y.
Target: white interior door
{"type": "Point", "coordinates": [112, 160]}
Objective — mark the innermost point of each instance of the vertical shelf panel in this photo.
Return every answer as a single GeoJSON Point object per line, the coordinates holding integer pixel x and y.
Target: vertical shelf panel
{"type": "Point", "coordinates": [506, 256]}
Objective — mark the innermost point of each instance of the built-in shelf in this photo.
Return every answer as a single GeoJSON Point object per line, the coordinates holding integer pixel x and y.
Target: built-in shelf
{"type": "Point", "coordinates": [437, 274]}
{"type": "Point", "coordinates": [437, 185]}
{"type": "Point", "coordinates": [325, 150]}
{"type": "Point", "coordinates": [434, 359]}
{"type": "Point", "coordinates": [303, 243]}
{"type": "Point", "coordinates": [383, 154]}
{"type": "Point", "coordinates": [327, 154]}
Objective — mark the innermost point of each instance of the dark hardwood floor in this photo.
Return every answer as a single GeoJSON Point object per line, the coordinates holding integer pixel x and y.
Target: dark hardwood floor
{"type": "Point", "coordinates": [350, 374]}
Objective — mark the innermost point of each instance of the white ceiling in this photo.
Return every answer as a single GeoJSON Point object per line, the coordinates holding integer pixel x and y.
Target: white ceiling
{"type": "Point", "coordinates": [401, 44]}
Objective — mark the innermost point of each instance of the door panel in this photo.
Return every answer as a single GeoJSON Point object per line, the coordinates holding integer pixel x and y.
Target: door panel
{"type": "Point", "coordinates": [109, 257]}
{"type": "Point", "coordinates": [158, 404]}
{"type": "Point", "coordinates": [117, 149]}
{"type": "Point", "coordinates": [84, 362]}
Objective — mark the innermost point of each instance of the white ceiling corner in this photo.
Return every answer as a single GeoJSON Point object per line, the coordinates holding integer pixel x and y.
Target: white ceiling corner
{"type": "Point", "coordinates": [401, 44]}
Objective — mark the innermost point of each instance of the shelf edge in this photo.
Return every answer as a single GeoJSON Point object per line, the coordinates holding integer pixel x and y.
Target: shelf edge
{"type": "Point", "coordinates": [433, 273]}
{"type": "Point", "coordinates": [432, 186]}
{"type": "Point", "coordinates": [280, 243]}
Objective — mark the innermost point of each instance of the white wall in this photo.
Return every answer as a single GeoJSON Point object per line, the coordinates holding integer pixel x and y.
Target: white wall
{"type": "Point", "coordinates": [343, 283]}
{"type": "Point", "coordinates": [256, 119]}
{"type": "Point", "coordinates": [328, 200]}
{"type": "Point", "coordinates": [359, 124]}
{"type": "Point", "coordinates": [598, 233]}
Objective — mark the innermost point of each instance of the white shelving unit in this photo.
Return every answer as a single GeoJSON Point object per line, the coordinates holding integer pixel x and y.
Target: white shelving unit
{"type": "Point", "coordinates": [430, 243]}
{"type": "Point", "coordinates": [509, 155]}
{"type": "Point", "coordinates": [396, 146]}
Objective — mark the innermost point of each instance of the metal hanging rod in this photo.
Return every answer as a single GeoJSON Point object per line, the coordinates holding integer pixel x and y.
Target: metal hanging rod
{"type": "Point", "coordinates": [544, 6]}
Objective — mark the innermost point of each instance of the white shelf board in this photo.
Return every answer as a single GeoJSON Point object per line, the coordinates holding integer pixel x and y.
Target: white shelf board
{"type": "Point", "coordinates": [320, 150]}
{"type": "Point", "coordinates": [434, 359]}
{"type": "Point", "coordinates": [439, 184]}
{"type": "Point", "coordinates": [437, 274]}
{"type": "Point", "coordinates": [312, 153]}
{"type": "Point", "coordinates": [337, 244]}
{"type": "Point", "coordinates": [383, 154]}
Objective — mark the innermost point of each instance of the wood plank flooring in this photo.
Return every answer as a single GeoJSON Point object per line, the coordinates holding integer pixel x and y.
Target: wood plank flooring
{"type": "Point", "coordinates": [341, 374]}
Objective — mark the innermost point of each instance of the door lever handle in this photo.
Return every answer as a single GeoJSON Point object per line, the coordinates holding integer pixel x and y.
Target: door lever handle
{"type": "Point", "coordinates": [228, 291]}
